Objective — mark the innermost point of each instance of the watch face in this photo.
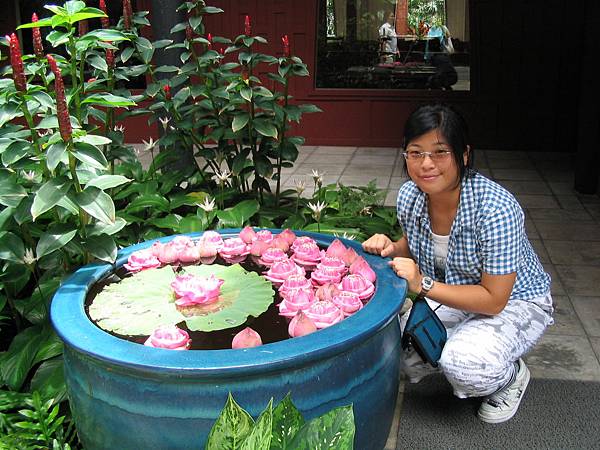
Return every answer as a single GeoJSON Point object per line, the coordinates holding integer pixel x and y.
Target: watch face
{"type": "Point", "coordinates": [427, 283]}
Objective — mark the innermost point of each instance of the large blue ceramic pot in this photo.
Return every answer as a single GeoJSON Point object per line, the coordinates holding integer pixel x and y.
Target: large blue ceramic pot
{"type": "Point", "coordinates": [128, 396]}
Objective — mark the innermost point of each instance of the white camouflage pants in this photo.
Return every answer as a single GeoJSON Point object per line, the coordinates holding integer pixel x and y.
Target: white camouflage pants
{"type": "Point", "coordinates": [479, 355]}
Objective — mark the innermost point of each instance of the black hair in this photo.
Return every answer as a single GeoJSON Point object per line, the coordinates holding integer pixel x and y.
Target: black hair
{"type": "Point", "coordinates": [450, 124]}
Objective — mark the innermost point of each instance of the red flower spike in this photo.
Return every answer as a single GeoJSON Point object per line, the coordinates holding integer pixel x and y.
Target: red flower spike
{"type": "Point", "coordinates": [82, 26]}
{"type": "Point", "coordinates": [127, 14]}
{"type": "Point", "coordinates": [209, 39]}
{"type": "Point", "coordinates": [105, 21]}
{"type": "Point", "coordinates": [189, 33]}
{"type": "Point", "coordinates": [62, 110]}
{"type": "Point", "coordinates": [167, 91]}
{"type": "Point", "coordinates": [110, 58]}
{"type": "Point", "coordinates": [245, 74]}
{"type": "Point", "coordinates": [286, 46]}
{"type": "Point", "coordinates": [17, 63]}
{"type": "Point", "coordinates": [38, 47]}
{"type": "Point", "coordinates": [247, 26]}
{"type": "Point", "coordinates": [222, 51]}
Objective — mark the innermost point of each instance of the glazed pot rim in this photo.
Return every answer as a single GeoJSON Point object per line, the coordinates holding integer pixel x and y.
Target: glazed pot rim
{"type": "Point", "coordinates": [73, 326]}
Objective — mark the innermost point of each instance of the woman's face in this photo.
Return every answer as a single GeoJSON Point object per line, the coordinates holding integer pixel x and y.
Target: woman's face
{"type": "Point", "coordinates": [433, 176]}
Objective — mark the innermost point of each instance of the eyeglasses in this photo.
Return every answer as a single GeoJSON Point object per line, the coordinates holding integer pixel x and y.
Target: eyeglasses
{"type": "Point", "coordinates": [438, 155]}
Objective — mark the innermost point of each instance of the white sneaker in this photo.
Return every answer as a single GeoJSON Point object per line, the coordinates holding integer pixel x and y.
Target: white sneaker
{"type": "Point", "coordinates": [503, 405]}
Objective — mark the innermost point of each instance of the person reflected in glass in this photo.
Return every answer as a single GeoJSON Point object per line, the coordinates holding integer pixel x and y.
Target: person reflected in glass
{"type": "Point", "coordinates": [465, 249]}
{"type": "Point", "coordinates": [389, 40]}
{"type": "Point", "coordinates": [445, 75]}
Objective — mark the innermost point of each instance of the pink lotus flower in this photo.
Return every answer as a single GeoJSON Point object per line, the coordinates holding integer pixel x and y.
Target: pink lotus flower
{"type": "Point", "coordinates": [288, 235]}
{"type": "Point", "coordinates": [332, 263]}
{"type": "Point", "coordinates": [192, 290]}
{"type": "Point", "coordinates": [207, 252]}
{"type": "Point", "coordinates": [301, 325]}
{"type": "Point", "coordinates": [357, 284]}
{"type": "Point", "coordinates": [325, 275]}
{"type": "Point", "coordinates": [361, 267]}
{"type": "Point", "coordinates": [327, 292]}
{"type": "Point", "coordinates": [189, 254]}
{"type": "Point", "coordinates": [295, 282]}
{"type": "Point", "coordinates": [271, 256]}
{"type": "Point", "coordinates": [213, 239]}
{"type": "Point", "coordinates": [348, 302]}
{"type": "Point", "coordinates": [324, 314]}
{"type": "Point", "coordinates": [246, 338]}
{"type": "Point", "coordinates": [167, 254]}
{"type": "Point", "coordinates": [264, 235]}
{"type": "Point", "coordinates": [141, 260]}
{"type": "Point", "coordinates": [282, 270]}
{"type": "Point", "coordinates": [350, 256]}
{"type": "Point", "coordinates": [258, 248]}
{"type": "Point", "coordinates": [280, 243]}
{"type": "Point", "coordinates": [234, 250]}
{"type": "Point", "coordinates": [298, 300]}
{"type": "Point", "coordinates": [302, 240]}
{"type": "Point", "coordinates": [247, 235]}
{"type": "Point", "coordinates": [336, 249]}
{"type": "Point", "coordinates": [169, 337]}
{"type": "Point", "coordinates": [307, 255]}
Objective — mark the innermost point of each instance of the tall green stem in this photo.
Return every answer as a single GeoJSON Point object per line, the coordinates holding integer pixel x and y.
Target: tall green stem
{"type": "Point", "coordinates": [74, 73]}
{"type": "Point", "coordinates": [34, 136]}
{"type": "Point", "coordinates": [281, 140]}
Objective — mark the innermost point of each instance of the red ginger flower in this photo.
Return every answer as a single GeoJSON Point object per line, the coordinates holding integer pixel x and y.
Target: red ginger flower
{"type": "Point", "coordinates": [104, 20]}
{"type": "Point", "coordinates": [110, 58]}
{"type": "Point", "coordinates": [127, 14]}
{"type": "Point", "coordinates": [38, 47]}
{"type": "Point", "coordinates": [82, 27]}
{"type": "Point", "coordinates": [247, 26]}
{"type": "Point", "coordinates": [17, 63]}
{"type": "Point", "coordinates": [286, 46]}
{"type": "Point", "coordinates": [209, 39]}
{"type": "Point", "coordinates": [167, 91]}
{"type": "Point", "coordinates": [189, 32]}
{"type": "Point", "coordinates": [62, 110]}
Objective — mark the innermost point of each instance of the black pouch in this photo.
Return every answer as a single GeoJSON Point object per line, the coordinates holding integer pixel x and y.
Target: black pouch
{"type": "Point", "coordinates": [425, 332]}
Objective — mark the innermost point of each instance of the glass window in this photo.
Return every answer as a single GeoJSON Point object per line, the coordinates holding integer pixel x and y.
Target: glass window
{"type": "Point", "coordinates": [393, 44]}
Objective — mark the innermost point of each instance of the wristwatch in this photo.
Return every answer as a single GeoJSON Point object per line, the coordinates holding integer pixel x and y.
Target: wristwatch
{"type": "Point", "coordinates": [426, 285]}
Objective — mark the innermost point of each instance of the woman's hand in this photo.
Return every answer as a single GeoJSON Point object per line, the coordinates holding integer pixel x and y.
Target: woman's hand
{"type": "Point", "coordinates": [379, 244]}
{"type": "Point", "coordinates": [408, 269]}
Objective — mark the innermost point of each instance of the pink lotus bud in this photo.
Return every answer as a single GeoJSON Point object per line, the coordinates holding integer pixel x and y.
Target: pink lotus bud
{"type": "Point", "coordinates": [168, 254]}
{"type": "Point", "coordinates": [141, 260]}
{"type": "Point", "coordinates": [181, 242]}
{"type": "Point", "coordinates": [307, 255]}
{"type": "Point", "coordinates": [282, 270]}
{"type": "Point", "coordinates": [247, 235]}
{"type": "Point", "coordinates": [16, 61]}
{"type": "Point", "coordinates": [127, 14]}
{"type": "Point", "coordinates": [234, 250]}
{"type": "Point", "coordinates": [324, 314]}
{"type": "Point", "coordinates": [212, 238]}
{"type": "Point", "coordinates": [169, 337]}
{"type": "Point", "coordinates": [358, 284]}
{"type": "Point", "coordinates": [295, 282]}
{"type": "Point", "coordinates": [336, 249]}
{"type": "Point", "coordinates": [280, 243]}
{"type": "Point", "coordinates": [286, 46]}
{"type": "Point", "coordinates": [259, 247]}
{"type": "Point", "coordinates": [348, 302]}
{"type": "Point", "coordinates": [247, 26]}
{"type": "Point", "coordinates": [327, 292]}
{"type": "Point", "coordinates": [193, 290]}
{"type": "Point", "coordinates": [298, 300]}
{"type": "Point", "coordinates": [350, 256]}
{"type": "Point", "coordinates": [157, 248]}
{"type": "Point", "coordinates": [325, 275]}
{"type": "Point", "coordinates": [301, 325]}
{"type": "Point", "coordinates": [264, 235]}
{"type": "Point", "coordinates": [38, 46]}
{"type": "Point", "coordinates": [302, 240]}
{"type": "Point", "coordinates": [246, 338]}
{"type": "Point", "coordinates": [62, 110]}
{"type": "Point", "coordinates": [288, 235]}
{"type": "Point", "coordinates": [361, 267]}
{"type": "Point", "coordinates": [105, 21]}
{"type": "Point", "coordinates": [271, 256]}
{"type": "Point", "coordinates": [190, 254]}
{"type": "Point", "coordinates": [207, 252]}
{"type": "Point", "coordinates": [82, 27]}
{"type": "Point", "coordinates": [332, 263]}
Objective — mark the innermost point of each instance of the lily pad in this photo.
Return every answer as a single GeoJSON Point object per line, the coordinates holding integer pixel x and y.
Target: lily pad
{"type": "Point", "coordinates": [139, 304]}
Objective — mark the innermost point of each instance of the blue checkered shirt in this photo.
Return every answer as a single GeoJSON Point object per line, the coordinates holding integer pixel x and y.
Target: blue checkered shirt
{"type": "Point", "coordinates": [488, 235]}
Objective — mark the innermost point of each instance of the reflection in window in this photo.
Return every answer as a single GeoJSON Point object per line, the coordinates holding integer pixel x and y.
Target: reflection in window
{"type": "Point", "coordinates": [393, 44]}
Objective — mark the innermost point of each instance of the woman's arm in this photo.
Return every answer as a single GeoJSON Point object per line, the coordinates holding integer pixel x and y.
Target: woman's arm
{"type": "Point", "coordinates": [380, 244]}
{"type": "Point", "coordinates": [489, 297]}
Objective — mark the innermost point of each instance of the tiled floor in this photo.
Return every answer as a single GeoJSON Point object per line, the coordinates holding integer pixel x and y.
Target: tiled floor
{"type": "Point", "coordinates": [563, 226]}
